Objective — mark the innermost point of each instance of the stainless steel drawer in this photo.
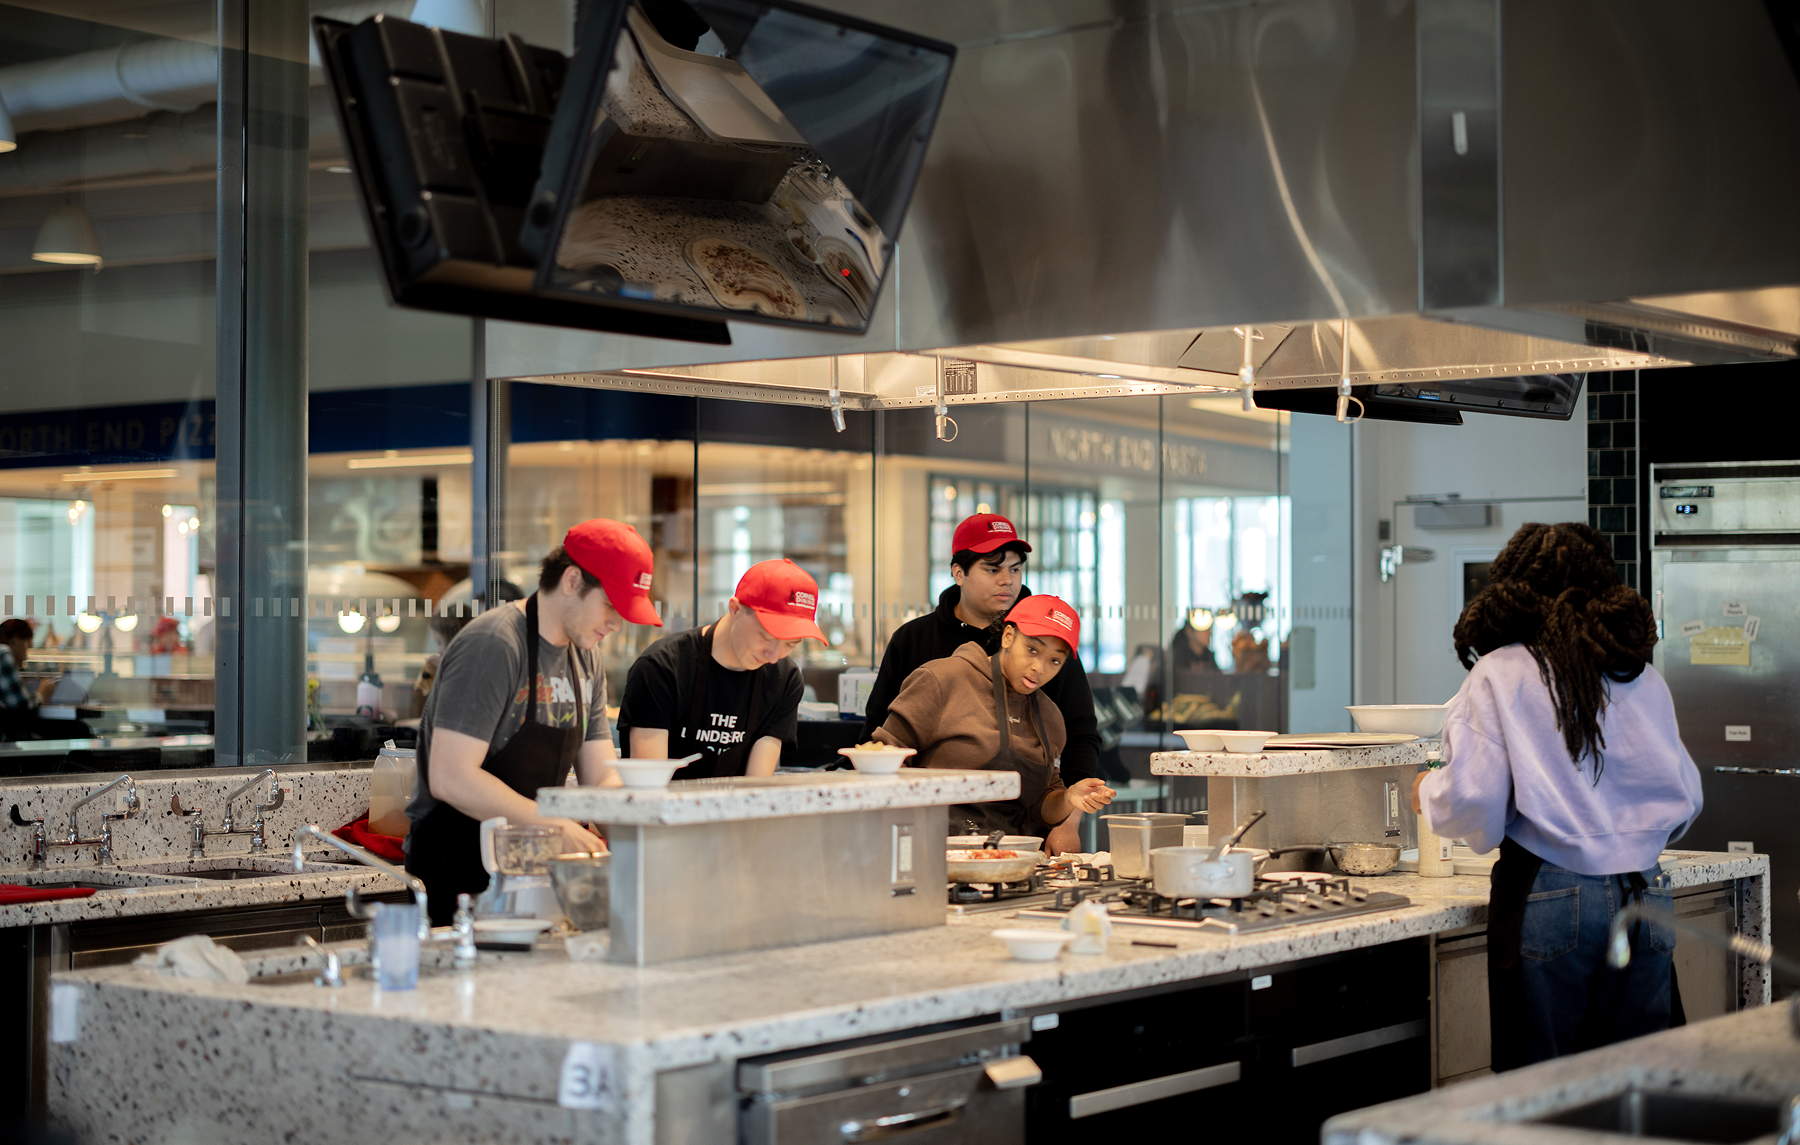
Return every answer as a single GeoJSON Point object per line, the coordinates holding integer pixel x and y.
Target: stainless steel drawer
{"type": "Point", "coordinates": [954, 1105]}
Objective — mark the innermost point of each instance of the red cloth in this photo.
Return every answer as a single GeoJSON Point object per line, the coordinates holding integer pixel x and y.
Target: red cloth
{"type": "Point", "coordinates": [11, 893]}
{"type": "Point", "coordinates": [389, 847]}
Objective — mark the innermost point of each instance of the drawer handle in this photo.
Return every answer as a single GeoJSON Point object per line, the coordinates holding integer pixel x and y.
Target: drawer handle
{"type": "Point", "coordinates": [1358, 1043]}
{"type": "Point", "coordinates": [1157, 1088]}
{"type": "Point", "coordinates": [874, 1129]}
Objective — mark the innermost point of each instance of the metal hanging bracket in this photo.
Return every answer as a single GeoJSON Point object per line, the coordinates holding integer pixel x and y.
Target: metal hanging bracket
{"type": "Point", "coordinates": [1345, 400]}
{"type": "Point", "coordinates": [946, 425]}
{"type": "Point", "coordinates": [1247, 369]}
{"type": "Point", "coordinates": [837, 398]}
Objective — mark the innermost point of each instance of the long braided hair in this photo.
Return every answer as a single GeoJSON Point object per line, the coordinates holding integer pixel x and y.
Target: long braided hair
{"type": "Point", "coordinates": [1555, 589]}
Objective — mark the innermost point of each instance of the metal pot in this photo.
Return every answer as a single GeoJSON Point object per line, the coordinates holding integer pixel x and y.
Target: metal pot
{"type": "Point", "coordinates": [1192, 873]}
{"type": "Point", "coordinates": [1131, 838]}
{"type": "Point", "coordinates": [1365, 858]}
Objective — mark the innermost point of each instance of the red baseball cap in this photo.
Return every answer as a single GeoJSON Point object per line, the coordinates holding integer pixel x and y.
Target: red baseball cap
{"type": "Point", "coordinates": [612, 553]}
{"type": "Point", "coordinates": [784, 597]}
{"type": "Point", "coordinates": [1044, 615]}
{"type": "Point", "coordinates": [985, 532]}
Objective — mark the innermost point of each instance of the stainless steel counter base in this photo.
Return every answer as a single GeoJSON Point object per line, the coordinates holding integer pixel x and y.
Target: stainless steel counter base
{"type": "Point", "coordinates": [749, 884]}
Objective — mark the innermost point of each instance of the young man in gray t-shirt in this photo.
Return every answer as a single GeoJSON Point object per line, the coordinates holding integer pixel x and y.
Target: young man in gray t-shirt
{"type": "Point", "coordinates": [588, 588]}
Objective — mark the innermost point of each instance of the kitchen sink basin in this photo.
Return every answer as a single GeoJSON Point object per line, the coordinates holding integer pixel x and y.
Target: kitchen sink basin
{"type": "Point", "coordinates": [1673, 1116]}
{"type": "Point", "coordinates": [221, 872]}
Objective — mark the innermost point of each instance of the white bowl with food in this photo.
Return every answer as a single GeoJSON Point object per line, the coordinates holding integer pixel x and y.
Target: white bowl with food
{"type": "Point", "coordinates": [1199, 739]}
{"type": "Point", "coordinates": [646, 772]}
{"type": "Point", "coordinates": [1425, 720]}
{"type": "Point", "coordinates": [1007, 842]}
{"type": "Point", "coordinates": [1033, 945]}
{"type": "Point", "coordinates": [876, 758]}
{"type": "Point", "coordinates": [997, 866]}
{"type": "Point", "coordinates": [1244, 743]}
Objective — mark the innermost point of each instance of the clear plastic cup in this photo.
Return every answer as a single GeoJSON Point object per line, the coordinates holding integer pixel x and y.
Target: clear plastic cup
{"type": "Point", "coordinates": [396, 929]}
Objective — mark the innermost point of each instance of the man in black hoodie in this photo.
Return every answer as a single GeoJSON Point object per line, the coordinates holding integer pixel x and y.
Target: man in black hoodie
{"type": "Point", "coordinates": [988, 565]}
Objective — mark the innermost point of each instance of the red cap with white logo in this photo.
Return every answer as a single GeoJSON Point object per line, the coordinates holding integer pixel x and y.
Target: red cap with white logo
{"type": "Point", "coordinates": [612, 553]}
{"type": "Point", "coordinates": [784, 598]}
{"type": "Point", "coordinates": [1047, 616]}
{"type": "Point", "coordinates": [985, 532]}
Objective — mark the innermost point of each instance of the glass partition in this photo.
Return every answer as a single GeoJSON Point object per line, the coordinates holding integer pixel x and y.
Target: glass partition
{"type": "Point", "coordinates": [108, 429]}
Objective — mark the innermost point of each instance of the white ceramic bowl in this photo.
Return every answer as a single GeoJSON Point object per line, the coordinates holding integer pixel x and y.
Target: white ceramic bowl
{"type": "Point", "coordinates": [1032, 945]}
{"type": "Point", "coordinates": [876, 761]}
{"type": "Point", "coordinates": [645, 772]}
{"type": "Point", "coordinates": [1413, 719]}
{"type": "Point", "coordinates": [1202, 740]}
{"type": "Point", "coordinates": [1007, 843]}
{"type": "Point", "coordinates": [1245, 742]}
{"type": "Point", "coordinates": [512, 931]}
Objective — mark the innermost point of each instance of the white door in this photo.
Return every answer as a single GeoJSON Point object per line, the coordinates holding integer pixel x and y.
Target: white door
{"type": "Point", "coordinates": [1429, 594]}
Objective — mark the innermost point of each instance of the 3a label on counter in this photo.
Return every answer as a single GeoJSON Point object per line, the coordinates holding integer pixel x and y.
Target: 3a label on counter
{"type": "Point", "coordinates": [588, 1079]}
{"type": "Point", "coordinates": [65, 1012]}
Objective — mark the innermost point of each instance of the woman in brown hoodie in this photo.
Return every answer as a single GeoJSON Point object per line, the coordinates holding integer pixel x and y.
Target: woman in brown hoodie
{"type": "Point", "coordinates": [950, 711]}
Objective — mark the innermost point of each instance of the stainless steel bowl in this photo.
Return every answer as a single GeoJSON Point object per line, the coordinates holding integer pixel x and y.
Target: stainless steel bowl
{"type": "Point", "coordinates": [1365, 859]}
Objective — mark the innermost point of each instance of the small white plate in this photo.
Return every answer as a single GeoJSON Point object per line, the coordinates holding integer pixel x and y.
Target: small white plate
{"type": "Point", "coordinates": [1245, 743]}
{"type": "Point", "coordinates": [1201, 740]}
{"type": "Point", "coordinates": [512, 931]}
{"type": "Point", "coordinates": [1328, 740]}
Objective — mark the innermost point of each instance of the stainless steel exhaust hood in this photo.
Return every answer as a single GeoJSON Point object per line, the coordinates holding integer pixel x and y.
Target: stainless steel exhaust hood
{"type": "Point", "coordinates": [1481, 188]}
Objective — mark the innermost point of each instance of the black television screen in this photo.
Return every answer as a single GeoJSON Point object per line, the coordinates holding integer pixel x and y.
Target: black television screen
{"type": "Point", "coordinates": [1527, 395]}
{"type": "Point", "coordinates": [1441, 403]}
{"type": "Point", "coordinates": [733, 159]}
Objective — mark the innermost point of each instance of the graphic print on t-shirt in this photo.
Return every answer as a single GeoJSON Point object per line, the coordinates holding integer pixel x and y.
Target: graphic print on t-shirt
{"type": "Point", "coordinates": [555, 697]}
{"type": "Point", "coordinates": [720, 729]}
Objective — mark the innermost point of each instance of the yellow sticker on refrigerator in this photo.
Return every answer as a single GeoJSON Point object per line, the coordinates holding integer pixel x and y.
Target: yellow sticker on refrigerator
{"type": "Point", "coordinates": [1720, 648]}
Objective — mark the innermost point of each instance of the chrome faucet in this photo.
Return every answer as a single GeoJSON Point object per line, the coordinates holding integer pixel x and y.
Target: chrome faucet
{"type": "Point", "coordinates": [462, 928]}
{"type": "Point", "coordinates": [41, 843]}
{"type": "Point", "coordinates": [258, 828]}
{"type": "Point", "coordinates": [1618, 949]}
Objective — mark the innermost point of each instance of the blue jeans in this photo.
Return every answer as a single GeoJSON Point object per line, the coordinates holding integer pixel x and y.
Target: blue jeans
{"type": "Point", "coordinates": [1570, 998]}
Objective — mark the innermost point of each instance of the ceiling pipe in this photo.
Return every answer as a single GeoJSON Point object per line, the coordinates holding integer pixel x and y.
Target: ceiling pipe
{"type": "Point", "coordinates": [133, 80]}
{"type": "Point", "coordinates": [162, 144]}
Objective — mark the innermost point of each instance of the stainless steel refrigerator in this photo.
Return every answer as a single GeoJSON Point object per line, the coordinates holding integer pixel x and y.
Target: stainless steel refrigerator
{"type": "Point", "coordinates": [1725, 582]}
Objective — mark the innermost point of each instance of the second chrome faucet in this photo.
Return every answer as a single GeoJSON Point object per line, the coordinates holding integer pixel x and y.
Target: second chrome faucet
{"type": "Point", "coordinates": [228, 826]}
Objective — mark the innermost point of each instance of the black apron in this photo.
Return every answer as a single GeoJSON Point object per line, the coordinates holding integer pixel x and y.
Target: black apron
{"type": "Point", "coordinates": [445, 849]}
{"type": "Point", "coordinates": [1014, 816]}
{"type": "Point", "coordinates": [1514, 874]}
{"type": "Point", "coordinates": [708, 766]}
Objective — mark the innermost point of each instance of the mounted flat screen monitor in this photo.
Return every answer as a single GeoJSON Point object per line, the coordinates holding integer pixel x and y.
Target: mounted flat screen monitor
{"type": "Point", "coordinates": [748, 160]}
{"type": "Point", "coordinates": [1442, 403]}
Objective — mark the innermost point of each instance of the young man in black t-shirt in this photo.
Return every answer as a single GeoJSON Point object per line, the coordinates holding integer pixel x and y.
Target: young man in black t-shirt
{"type": "Point", "coordinates": [727, 690]}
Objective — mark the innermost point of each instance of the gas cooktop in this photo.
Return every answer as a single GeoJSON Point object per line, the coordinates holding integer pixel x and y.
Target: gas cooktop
{"type": "Point", "coordinates": [1276, 902]}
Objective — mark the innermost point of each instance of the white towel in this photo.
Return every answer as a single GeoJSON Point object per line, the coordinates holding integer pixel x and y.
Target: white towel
{"type": "Point", "coordinates": [196, 956]}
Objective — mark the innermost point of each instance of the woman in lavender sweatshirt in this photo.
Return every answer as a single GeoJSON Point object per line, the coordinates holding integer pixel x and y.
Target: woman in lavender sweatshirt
{"type": "Point", "coordinates": [1562, 751]}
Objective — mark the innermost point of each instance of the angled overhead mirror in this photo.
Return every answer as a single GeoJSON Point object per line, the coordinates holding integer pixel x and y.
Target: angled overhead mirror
{"type": "Point", "coordinates": [694, 163]}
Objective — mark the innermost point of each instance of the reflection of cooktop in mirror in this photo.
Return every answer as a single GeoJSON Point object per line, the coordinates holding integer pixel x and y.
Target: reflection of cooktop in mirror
{"type": "Point", "coordinates": [734, 159]}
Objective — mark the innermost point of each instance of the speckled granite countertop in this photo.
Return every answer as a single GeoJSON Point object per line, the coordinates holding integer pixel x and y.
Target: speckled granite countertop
{"type": "Point", "coordinates": [1257, 764]}
{"type": "Point", "coordinates": [502, 1029]}
{"type": "Point", "coordinates": [1752, 1055]}
{"type": "Point", "coordinates": [161, 887]}
{"type": "Point", "coordinates": [773, 796]}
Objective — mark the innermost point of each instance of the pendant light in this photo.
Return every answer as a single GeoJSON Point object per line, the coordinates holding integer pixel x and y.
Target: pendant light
{"type": "Point", "coordinates": [9, 138]}
{"type": "Point", "coordinates": [66, 238]}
